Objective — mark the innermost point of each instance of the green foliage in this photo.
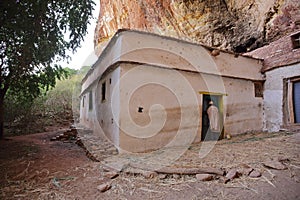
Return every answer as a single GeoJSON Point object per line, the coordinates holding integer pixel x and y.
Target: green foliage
{"type": "Point", "coordinates": [58, 101]}
{"type": "Point", "coordinates": [58, 106]}
{"type": "Point", "coordinates": [32, 38]}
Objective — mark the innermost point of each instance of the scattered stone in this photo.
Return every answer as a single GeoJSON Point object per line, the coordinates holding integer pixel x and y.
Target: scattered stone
{"type": "Point", "coordinates": [176, 176]}
{"type": "Point", "coordinates": [283, 159]}
{"type": "Point", "coordinates": [221, 179]}
{"type": "Point", "coordinates": [149, 174]}
{"type": "Point", "coordinates": [72, 126]}
{"type": "Point", "coordinates": [162, 176]}
{"type": "Point", "coordinates": [70, 134]}
{"type": "Point", "coordinates": [246, 171]}
{"type": "Point", "coordinates": [111, 149]}
{"type": "Point", "coordinates": [111, 175]}
{"type": "Point", "coordinates": [104, 187]}
{"type": "Point", "coordinates": [255, 174]}
{"type": "Point", "coordinates": [232, 174]}
{"type": "Point", "coordinates": [228, 136]}
{"type": "Point", "coordinates": [274, 165]}
{"type": "Point", "coordinates": [107, 168]}
{"type": "Point", "coordinates": [204, 177]}
{"type": "Point", "coordinates": [215, 52]}
{"type": "Point", "coordinates": [190, 171]}
{"type": "Point", "coordinates": [243, 165]}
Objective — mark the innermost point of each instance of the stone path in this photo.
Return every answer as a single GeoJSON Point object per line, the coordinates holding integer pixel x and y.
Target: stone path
{"type": "Point", "coordinates": [96, 145]}
{"type": "Point", "coordinates": [102, 150]}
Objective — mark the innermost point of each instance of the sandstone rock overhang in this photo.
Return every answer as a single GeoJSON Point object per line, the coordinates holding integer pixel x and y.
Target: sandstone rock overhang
{"type": "Point", "coordinates": [279, 53]}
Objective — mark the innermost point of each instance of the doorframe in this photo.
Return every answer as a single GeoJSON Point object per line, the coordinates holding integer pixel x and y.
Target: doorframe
{"type": "Point", "coordinates": [288, 100]}
{"type": "Point", "coordinates": [221, 110]}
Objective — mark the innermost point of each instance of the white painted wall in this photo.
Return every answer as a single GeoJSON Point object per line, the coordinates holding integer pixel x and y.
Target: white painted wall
{"type": "Point", "coordinates": [244, 111]}
{"type": "Point", "coordinates": [273, 95]}
{"type": "Point", "coordinates": [108, 110]}
{"type": "Point", "coordinates": [87, 116]}
{"type": "Point", "coordinates": [102, 119]}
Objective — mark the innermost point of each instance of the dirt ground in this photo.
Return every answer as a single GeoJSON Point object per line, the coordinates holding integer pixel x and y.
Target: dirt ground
{"type": "Point", "coordinates": [33, 167]}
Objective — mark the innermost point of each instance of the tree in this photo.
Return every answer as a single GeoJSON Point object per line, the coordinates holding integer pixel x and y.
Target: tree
{"type": "Point", "coordinates": [32, 39]}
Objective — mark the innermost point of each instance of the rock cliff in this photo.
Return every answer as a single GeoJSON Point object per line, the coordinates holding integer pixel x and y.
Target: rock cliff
{"type": "Point", "coordinates": [234, 25]}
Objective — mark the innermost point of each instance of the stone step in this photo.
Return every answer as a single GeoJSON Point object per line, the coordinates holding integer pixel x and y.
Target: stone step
{"type": "Point", "coordinates": [98, 146]}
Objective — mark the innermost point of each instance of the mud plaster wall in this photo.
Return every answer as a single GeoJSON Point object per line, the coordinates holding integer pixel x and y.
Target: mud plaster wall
{"type": "Point", "coordinates": [244, 111]}
{"type": "Point", "coordinates": [157, 126]}
{"type": "Point", "coordinates": [108, 110]}
{"type": "Point", "coordinates": [87, 116]}
{"type": "Point", "coordinates": [170, 107]}
{"type": "Point", "coordinates": [101, 118]}
{"type": "Point", "coordinates": [273, 95]}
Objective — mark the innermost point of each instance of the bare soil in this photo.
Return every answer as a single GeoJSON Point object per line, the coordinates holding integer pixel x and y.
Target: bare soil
{"type": "Point", "coordinates": [33, 167]}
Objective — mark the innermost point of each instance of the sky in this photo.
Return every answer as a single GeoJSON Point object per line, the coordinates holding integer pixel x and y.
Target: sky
{"type": "Point", "coordinates": [85, 54]}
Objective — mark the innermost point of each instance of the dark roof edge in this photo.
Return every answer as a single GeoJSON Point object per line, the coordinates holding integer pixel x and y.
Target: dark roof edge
{"type": "Point", "coordinates": [266, 69]}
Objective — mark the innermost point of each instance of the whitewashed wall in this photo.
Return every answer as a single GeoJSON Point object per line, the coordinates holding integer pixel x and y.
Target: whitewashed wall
{"type": "Point", "coordinates": [273, 95]}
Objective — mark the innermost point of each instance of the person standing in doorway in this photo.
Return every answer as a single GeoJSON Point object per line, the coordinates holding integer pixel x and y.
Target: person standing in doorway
{"type": "Point", "coordinates": [214, 120]}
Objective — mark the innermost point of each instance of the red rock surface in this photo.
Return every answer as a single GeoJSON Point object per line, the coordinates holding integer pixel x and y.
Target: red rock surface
{"type": "Point", "coordinates": [277, 54]}
{"type": "Point", "coordinates": [228, 24]}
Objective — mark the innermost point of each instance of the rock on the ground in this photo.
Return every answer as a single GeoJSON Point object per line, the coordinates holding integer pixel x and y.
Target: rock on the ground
{"type": "Point", "coordinates": [231, 174]}
{"type": "Point", "coordinates": [283, 159]}
{"type": "Point", "coordinates": [104, 187]}
{"type": "Point", "coordinates": [149, 174]}
{"type": "Point", "coordinates": [162, 176]}
{"type": "Point", "coordinates": [67, 135]}
{"type": "Point", "coordinates": [111, 175]}
{"type": "Point", "coordinates": [204, 177]}
{"type": "Point", "coordinates": [176, 176]}
{"type": "Point", "coordinates": [274, 165]}
{"type": "Point", "coordinates": [246, 171]}
{"type": "Point", "coordinates": [255, 174]}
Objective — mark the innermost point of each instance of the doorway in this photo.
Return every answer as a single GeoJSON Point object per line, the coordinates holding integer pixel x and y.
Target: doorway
{"type": "Point", "coordinates": [296, 100]}
{"type": "Point", "coordinates": [206, 134]}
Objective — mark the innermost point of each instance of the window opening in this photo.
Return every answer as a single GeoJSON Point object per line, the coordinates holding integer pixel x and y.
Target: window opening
{"type": "Point", "coordinates": [296, 40]}
{"type": "Point", "coordinates": [258, 89]}
{"type": "Point", "coordinates": [140, 109]}
{"type": "Point", "coordinates": [91, 100]}
{"type": "Point", "coordinates": [83, 98]}
{"type": "Point", "coordinates": [103, 91]}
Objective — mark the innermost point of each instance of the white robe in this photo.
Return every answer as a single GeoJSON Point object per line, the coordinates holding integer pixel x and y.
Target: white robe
{"type": "Point", "coordinates": [214, 118]}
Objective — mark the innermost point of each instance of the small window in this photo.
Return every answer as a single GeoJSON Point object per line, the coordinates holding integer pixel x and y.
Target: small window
{"type": "Point", "coordinates": [103, 91]}
{"type": "Point", "coordinates": [83, 98]}
{"type": "Point", "coordinates": [296, 40]}
{"type": "Point", "coordinates": [258, 89]}
{"type": "Point", "coordinates": [140, 109]}
{"type": "Point", "coordinates": [91, 100]}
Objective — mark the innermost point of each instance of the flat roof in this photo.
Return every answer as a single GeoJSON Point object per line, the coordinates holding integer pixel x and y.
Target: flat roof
{"type": "Point", "coordinates": [149, 49]}
{"type": "Point", "coordinates": [116, 35]}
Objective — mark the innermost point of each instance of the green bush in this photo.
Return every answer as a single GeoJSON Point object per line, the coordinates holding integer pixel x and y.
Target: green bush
{"type": "Point", "coordinates": [57, 107]}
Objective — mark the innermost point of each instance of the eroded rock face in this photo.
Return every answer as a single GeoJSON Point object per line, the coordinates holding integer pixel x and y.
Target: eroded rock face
{"type": "Point", "coordinates": [235, 25]}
